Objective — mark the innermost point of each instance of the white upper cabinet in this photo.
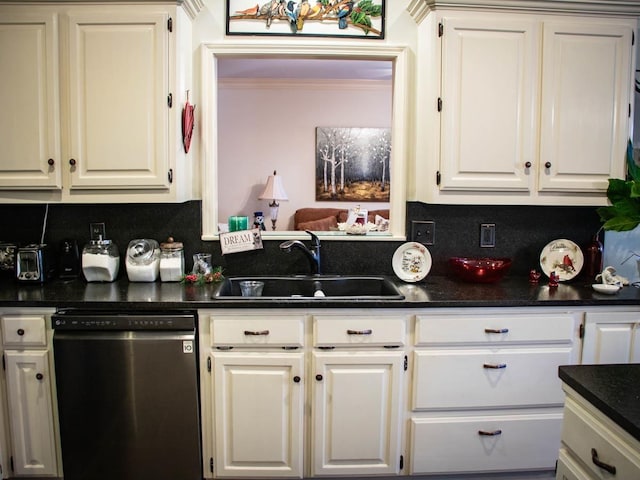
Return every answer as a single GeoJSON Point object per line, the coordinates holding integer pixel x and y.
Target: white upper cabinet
{"type": "Point", "coordinates": [522, 108]}
{"type": "Point", "coordinates": [118, 89]}
{"type": "Point", "coordinates": [30, 113]}
{"type": "Point", "coordinates": [585, 101]}
{"type": "Point", "coordinates": [489, 80]}
{"type": "Point", "coordinates": [92, 103]}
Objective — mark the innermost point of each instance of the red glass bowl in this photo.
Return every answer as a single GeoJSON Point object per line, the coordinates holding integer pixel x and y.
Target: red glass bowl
{"type": "Point", "coordinates": [479, 270]}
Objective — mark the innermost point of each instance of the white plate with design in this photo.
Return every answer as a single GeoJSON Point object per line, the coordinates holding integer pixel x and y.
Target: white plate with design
{"type": "Point", "coordinates": [563, 257]}
{"type": "Point", "coordinates": [411, 262]}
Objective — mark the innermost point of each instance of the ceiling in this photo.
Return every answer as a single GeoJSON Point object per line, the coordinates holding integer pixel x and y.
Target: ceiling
{"type": "Point", "coordinates": [305, 68]}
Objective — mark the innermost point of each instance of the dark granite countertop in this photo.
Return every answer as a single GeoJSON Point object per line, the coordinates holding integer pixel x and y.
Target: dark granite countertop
{"type": "Point", "coordinates": [434, 291]}
{"type": "Point", "coordinates": [612, 389]}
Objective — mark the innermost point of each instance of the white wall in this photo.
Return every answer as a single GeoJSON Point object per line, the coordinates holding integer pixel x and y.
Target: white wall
{"type": "Point", "coordinates": [267, 125]}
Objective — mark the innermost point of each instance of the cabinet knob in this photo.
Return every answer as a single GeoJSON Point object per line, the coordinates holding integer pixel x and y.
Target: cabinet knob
{"type": "Point", "coordinates": [547, 165]}
{"type": "Point", "coordinates": [51, 162]}
{"type": "Point", "coordinates": [527, 165]}
{"type": "Point", "coordinates": [72, 162]}
{"type": "Point", "coordinates": [319, 377]}
{"type": "Point", "coordinates": [605, 466]}
{"type": "Point", "coordinates": [491, 433]}
{"type": "Point", "coordinates": [39, 376]}
{"type": "Point", "coordinates": [296, 379]}
{"type": "Point", "coordinates": [20, 331]}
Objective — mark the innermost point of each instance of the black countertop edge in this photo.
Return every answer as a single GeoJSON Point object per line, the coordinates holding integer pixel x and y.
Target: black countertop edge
{"type": "Point", "coordinates": [613, 389]}
{"type": "Point", "coordinates": [433, 292]}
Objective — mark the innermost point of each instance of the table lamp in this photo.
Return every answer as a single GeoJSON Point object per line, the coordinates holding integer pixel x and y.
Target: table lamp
{"type": "Point", "coordinates": [274, 190]}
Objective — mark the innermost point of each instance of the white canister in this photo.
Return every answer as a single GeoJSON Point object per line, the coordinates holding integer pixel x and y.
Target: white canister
{"type": "Point", "coordinates": [171, 261]}
{"type": "Point", "coordinates": [100, 261]}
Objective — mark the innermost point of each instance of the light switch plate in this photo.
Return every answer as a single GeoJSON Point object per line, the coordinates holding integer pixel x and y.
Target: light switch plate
{"type": "Point", "coordinates": [487, 235]}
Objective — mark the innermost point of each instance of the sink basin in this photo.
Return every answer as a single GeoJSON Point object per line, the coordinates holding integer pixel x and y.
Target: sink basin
{"type": "Point", "coordinates": [304, 287]}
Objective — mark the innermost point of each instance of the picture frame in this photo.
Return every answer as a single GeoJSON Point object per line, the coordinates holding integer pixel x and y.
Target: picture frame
{"type": "Point", "coordinates": [307, 18]}
{"type": "Point", "coordinates": [353, 164]}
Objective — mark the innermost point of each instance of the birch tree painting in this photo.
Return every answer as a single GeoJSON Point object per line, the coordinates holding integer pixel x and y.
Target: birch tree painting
{"type": "Point", "coordinates": [352, 164]}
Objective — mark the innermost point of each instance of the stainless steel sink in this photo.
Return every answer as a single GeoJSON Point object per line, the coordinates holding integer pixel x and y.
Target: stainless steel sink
{"type": "Point", "coordinates": [306, 287]}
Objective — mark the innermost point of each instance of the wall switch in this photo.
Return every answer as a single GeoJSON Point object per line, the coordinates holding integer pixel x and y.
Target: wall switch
{"type": "Point", "coordinates": [487, 234]}
{"type": "Point", "coordinates": [423, 232]}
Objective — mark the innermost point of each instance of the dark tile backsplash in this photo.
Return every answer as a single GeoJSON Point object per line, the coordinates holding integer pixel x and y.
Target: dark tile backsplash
{"type": "Point", "coordinates": [521, 233]}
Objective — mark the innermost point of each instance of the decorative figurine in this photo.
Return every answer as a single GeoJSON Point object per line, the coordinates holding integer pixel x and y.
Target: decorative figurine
{"type": "Point", "coordinates": [258, 221]}
{"type": "Point", "coordinates": [553, 279]}
{"type": "Point", "coordinates": [534, 276]}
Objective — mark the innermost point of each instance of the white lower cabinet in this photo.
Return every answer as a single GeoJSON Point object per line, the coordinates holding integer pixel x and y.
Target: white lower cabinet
{"type": "Point", "coordinates": [485, 390]}
{"type": "Point", "coordinates": [611, 337]}
{"type": "Point", "coordinates": [297, 394]}
{"type": "Point", "coordinates": [30, 405]}
{"type": "Point", "coordinates": [259, 414]}
{"type": "Point", "coordinates": [30, 402]}
{"type": "Point", "coordinates": [356, 412]}
{"type": "Point", "coordinates": [383, 392]}
{"type": "Point", "coordinates": [593, 446]}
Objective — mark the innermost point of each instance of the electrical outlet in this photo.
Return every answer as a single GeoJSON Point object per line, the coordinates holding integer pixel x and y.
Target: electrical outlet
{"type": "Point", "coordinates": [423, 232]}
{"type": "Point", "coordinates": [487, 234]}
{"type": "Point", "coordinates": [97, 231]}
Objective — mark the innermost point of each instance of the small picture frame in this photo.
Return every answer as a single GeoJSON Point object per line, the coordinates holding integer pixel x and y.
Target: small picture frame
{"type": "Point", "coordinates": [308, 18]}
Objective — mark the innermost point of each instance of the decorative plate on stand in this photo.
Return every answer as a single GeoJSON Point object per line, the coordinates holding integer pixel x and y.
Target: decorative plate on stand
{"type": "Point", "coordinates": [411, 262]}
{"type": "Point", "coordinates": [563, 257]}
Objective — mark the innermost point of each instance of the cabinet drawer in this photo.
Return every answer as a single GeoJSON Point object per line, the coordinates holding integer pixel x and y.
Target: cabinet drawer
{"type": "Point", "coordinates": [509, 442]}
{"type": "Point", "coordinates": [256, 331]}
{"type": "Point", "coordinates": [345, 330]}
{"type": "Point", "coordinates": [24, 331]}
{"type": "Point", "coordinates": [488, 378]}
{"type": "Point", "coordinates": [494, 329]}
{"type": "Point", "coordinates": [568, 468]}
{"type": "Point", "coordinates": [582, 434]}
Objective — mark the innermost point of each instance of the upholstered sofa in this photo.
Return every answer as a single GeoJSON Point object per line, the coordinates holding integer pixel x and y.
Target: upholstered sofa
{"type": "Point", "coordinates": [324, 219]}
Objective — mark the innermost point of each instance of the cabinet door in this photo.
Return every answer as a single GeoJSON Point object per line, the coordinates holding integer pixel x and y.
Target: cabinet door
{"type": "Point", "coordinates": [489, 113]}
{"type": "Point", "coordinates": [30, 116]}
{"type": "Point", "coordinates": [356, 413]}
{"type": "Point", "coordinates": [258, 414]}
{"type": "Point", "coordinates": [31, 412]}
{"type": "Point", "coordinates": [611, 338]}
{"type": "Point", "coordinates": [118, 94]}
{"type": "Point", "coordinates": [585, 105]}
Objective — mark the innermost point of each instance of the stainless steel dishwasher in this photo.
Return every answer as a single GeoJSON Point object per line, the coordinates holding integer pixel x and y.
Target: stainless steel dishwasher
{"type": "Point", "coordinates": [128, 400]}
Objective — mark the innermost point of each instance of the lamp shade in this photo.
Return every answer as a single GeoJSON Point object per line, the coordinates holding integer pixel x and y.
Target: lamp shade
{"type": "Point", "coordinates": [274, 190]}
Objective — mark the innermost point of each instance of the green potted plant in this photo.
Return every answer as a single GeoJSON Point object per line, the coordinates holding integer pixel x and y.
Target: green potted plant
{"type": "Point", "coordinates": [624, 195]}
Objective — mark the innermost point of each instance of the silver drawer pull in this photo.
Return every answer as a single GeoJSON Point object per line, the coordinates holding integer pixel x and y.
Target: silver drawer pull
{"type": "Point", "coordinates": [261, 332]}
{"type": "Point", "coordinates": [486, 433]}
{"type": "Point", "coordinates": [496, 330]}
{"type": "Point", "coordinates": [494, 365]}
{"type": "Point", "coordinates": [605, 466]}
{"type": "Point", "coordinates": [360, 332]}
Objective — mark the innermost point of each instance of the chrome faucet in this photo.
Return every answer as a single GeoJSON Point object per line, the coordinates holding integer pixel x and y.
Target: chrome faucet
{"type": "Point", "coordinates": [312, 254]}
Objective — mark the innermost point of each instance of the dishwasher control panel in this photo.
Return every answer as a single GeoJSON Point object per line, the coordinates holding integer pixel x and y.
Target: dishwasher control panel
{"type": "Point", "coordinates": [77, 321]}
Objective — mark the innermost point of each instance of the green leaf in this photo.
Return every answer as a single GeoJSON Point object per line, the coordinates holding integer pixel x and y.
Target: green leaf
{"type": "Point", "coordinates": [633, 169]}
{"type": "Point", "coordinates": [618, 190]}
{"type": "Point", "coordinates": [621, 224]}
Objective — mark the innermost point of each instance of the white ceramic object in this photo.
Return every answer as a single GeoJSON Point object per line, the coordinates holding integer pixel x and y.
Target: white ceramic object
{"type": "Point", "coordinates": [411, 262]}
{"type": "Point", "coordinates": [606, 289]}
